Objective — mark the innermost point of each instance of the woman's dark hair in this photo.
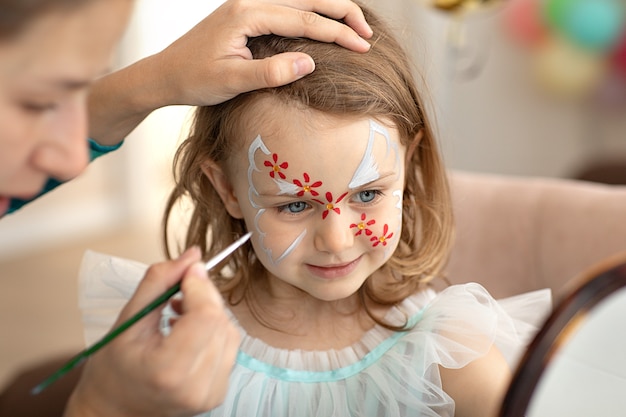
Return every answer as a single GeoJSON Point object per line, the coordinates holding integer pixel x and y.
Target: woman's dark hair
{"type": "Point", "coordinates": [15, 15]}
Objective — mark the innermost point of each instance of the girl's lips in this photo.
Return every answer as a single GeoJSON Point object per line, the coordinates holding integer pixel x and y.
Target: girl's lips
{"type": "Point", "coordinates": [334, 271]}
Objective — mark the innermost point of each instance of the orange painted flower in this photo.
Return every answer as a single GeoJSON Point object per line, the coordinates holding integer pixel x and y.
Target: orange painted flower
{"type": "Point", "coordinates": [362, 226]}
{"type": "Point", "coordinates": [306, 187]}
{"type": "Point", "coordinates": [383, 238]}
{"type": "Point", "coordinates": [330, 205]}
{"type": "Point", "coordinates": [276, 167]}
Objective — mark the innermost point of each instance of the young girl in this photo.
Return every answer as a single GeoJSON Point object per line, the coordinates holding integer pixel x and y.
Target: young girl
{"type": "Point", "coordinates": [339, 178]}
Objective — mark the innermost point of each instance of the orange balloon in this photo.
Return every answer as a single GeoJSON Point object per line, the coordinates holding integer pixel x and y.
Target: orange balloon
{"type": "Point", "coordinates": [522, 21]}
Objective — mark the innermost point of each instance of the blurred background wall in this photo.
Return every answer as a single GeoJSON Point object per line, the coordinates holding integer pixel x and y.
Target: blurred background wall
{"type": "Point", "coordinates": [518, 87]}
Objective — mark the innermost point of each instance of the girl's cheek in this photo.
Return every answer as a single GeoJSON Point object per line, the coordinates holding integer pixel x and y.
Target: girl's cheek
{"type": "Point", "coordinates": [379, 227]}
{"type": "Point", "coordinates": [277, 239]}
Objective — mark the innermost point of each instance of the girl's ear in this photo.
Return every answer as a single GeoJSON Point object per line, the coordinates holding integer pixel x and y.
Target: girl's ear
{"type": "Point", "coordinates": [410, 150]}
{"type": "Point", "coordinates": [224, 188]}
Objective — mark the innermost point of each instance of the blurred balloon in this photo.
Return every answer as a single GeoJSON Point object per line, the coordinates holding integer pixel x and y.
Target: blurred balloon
{"type": "Point", "coordinates": [574, 44]}
{"type": "Point", "coordinates": [555, 12]}
{"type": "Point", "coordinates": [618, 57]}
{"type": "Point", "coordinates": [461, 5]}
{"type": "Point", "coordinates": [596, 24]}
{"type": "Point", "coordinates": [593, 24]}
{"type": "Point", "coordinates": [522, 20]}
{"type": "Point", "coordinates": [567, 69]}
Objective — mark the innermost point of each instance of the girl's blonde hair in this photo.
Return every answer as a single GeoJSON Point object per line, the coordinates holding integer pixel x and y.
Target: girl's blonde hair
{"type": "Point", "coordinates": [378, 84]}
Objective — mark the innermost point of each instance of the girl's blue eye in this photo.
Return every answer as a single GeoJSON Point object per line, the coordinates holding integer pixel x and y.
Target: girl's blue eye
{"type": "Point", "coordinates": [297, 207]}
{"type": "Point", "coordinates": [367, 196]}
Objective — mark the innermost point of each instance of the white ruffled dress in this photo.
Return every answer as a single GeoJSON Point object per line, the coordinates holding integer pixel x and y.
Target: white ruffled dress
{"type": "Point", "coordinates": [386, 373]}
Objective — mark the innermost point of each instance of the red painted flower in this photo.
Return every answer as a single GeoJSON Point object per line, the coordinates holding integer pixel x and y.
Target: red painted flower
{"type": "Point", "coordinates": [383, 238]}
{"type": "Point", "coordinates": [362, 226]}
{"type": "Point", "coordinates": [306, 187]}
{"type": "Point", "coordinates": [276, 167]}
{"type": "Point", "coordinates": [330, 205]}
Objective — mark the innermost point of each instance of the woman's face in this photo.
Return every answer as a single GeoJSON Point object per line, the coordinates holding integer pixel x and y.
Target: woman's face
{"type": "Point", "coordinates": [45, 73]}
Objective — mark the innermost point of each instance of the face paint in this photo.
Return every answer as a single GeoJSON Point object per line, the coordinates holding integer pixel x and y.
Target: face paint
{"type": "Point", "coordinates": [306, 186]}
{"type": "Point", "coordinates": [399, 195]}
{"type": "Point", "coordinates": [258, 145]}
{"type": "Point", "coordinates": [291, 247]}
{"type": "Point", "coordinates": [276, 167]}
{"type": "Point", "coordinates": [368, 172]}
{"type": "Point", "coordinates": [363, 226]}
{"type": "Point", "coordinates": [268, 251]}
{"type": "Point", "coordinates": [307, 216]}
{"type": "Point", "coordinates": [368, 169]}
{"type": "Point", "coordinates": [330, 205]}
{"type": "Point", "coordinates": [382, 239]}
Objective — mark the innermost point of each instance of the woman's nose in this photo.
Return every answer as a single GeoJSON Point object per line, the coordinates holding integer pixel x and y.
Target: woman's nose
{"type": "Point", "coordinates": [333, 234]}
{"type": "Point", "coordinates": [63, 153]}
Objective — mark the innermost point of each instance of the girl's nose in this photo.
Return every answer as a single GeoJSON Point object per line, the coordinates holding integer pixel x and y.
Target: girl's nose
{"type": "Point", "coordinates": [63, 152]}
{"type": "Point", "coordinates": [333, 234]}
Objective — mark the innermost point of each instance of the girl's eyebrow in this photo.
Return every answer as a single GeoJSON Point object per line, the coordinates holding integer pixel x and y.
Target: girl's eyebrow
{"type": "Point", "coordinates": [382, 177]}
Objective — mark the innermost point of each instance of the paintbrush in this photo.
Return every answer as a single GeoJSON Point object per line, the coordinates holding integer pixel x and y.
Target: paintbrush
{"type": "Point", "coordinates": [78, 359]}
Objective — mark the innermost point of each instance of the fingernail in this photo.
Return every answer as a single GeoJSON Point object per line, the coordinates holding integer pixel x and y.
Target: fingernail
{"type": "Point", "coordinates": [303, 66]}
{"type": "Point", "coordinates": [365, 43]}
{"type": "Point", "coordinates": [197, 269]}
{"type": "Point", "coordinates": [368, 31]}
{"type": "Point", "coordinates": [190, 253]}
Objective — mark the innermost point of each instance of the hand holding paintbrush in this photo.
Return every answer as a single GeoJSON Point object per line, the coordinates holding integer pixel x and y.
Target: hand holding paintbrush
{"type": "Point", "coordinates": [190, 366]}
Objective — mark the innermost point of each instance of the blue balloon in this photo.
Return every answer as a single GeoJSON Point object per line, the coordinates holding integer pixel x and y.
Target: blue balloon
{"type": "Point", "coordinates": [595, 24]}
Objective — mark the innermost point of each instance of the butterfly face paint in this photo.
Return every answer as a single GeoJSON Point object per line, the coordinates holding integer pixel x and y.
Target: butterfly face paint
{"type": "Point", "coordinates": [325, 204]}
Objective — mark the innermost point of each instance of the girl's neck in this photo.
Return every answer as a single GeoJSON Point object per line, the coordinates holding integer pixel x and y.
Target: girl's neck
{"type": "Point", "coordinates": [292, 319]}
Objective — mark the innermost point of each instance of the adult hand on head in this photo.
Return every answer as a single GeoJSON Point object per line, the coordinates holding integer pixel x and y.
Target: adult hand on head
{"type": "Point", "coordinates": [211, 63]}
{"type": "Point", "coordinates": [143, 373]}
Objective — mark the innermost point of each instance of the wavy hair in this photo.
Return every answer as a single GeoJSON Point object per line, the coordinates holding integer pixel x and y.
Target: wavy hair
{"type": "Point", "coordinates": [379, 84]}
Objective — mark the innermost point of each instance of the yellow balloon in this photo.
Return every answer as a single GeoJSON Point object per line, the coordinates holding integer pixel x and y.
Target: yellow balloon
{"type": "Point", "coordinates": [461, 5]}
{"type": "Point", "coordinates": [447, 4]}
{"type": "Point", "coordinates": [568, 70]}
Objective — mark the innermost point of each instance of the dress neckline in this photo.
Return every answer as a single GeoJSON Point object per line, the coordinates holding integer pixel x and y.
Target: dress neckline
{"type": "Point", "coordinates": [331, 364]}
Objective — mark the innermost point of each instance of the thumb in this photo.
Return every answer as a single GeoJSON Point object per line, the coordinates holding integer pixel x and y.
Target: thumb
{"type": "Point", "coordinates": [276, 70]}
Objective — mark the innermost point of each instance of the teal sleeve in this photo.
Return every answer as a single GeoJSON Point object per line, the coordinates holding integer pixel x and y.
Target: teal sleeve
{"type": "Point", "coordinates": [95, 151]}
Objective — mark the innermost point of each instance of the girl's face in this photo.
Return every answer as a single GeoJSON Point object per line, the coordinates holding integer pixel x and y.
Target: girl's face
{"type": "Point", "coordinates": [45, 72]}
{"type": "Point", "coordinates": [323, 196]}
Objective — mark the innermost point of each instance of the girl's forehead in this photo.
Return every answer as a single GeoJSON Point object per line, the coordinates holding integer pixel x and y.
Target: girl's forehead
{"type": "Point", "coordinates": [345, 155]}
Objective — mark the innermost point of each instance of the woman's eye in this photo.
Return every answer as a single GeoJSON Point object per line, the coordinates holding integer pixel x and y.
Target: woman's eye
{"type": "Point", "coordinates": [297, 207]}
{"type": "Point", "coordinates": [367, 196]}
{"type": "Point", "coordinates": [38, 107]}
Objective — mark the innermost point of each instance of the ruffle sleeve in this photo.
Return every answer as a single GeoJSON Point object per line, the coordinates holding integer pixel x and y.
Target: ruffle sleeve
{"type": "Point", "coordinates": [105, 284]}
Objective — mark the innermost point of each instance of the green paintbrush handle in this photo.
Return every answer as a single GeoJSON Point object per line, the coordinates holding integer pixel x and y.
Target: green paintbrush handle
{"type": "Point", "coordinates": [78, 359]}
